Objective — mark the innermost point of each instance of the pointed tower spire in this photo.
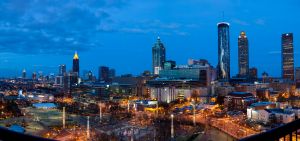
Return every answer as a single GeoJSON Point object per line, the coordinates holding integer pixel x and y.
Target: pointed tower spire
{"type": "Point", "coordinates": [75, 55]}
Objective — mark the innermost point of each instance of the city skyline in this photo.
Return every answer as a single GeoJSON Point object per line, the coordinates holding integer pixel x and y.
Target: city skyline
{"type": "Point", "coordinates": [209, 70]}
{"type": "Point", "coordinates": [193, 38]}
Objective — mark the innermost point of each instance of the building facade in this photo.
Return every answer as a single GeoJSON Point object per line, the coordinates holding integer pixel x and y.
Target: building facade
{"type": "Point", "coordinates": [223, 51]}
{"type": "Point", "coordinates": [297, 77]}
{"type": "Point", "coordinates": [76, 63]}
{"type": "Point", "coordinates": [238, 101]}
{"type": "Point", "coordinates": [182, 82]}
{"type": "Point", "coordinates": [253, 74]}
{"type": "Point", "coordinates": [287, 56]}
{"type": "Point", "coordinates": [158, 56]}
{"type": "Point", "coordinates": [243, 55]}
{"type": "Point", "coordinates": [62, 69]}
{"type": "Point", "coordinates": [104, 73]}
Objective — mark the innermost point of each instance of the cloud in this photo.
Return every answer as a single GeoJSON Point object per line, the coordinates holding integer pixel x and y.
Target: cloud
{"type": "Point", "coordinates": [153, 27]}
{"type": "Point", "coordinates": [240, 22]}
{"type": "Point", "coordinates": [260, 22]}
{"type": "Point", "coordinates": [53, 26]}
{"type": "Point", "coordinates": [274, 52]}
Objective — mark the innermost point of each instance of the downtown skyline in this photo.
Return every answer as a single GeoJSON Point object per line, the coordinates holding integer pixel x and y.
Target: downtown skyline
{"type": "Point", "coordinates": [192, 35]}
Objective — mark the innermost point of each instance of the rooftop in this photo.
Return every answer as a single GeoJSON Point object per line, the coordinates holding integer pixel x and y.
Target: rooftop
{"type": "Point", "coordinates": [240, 94]}
{"type": "Point", "coordinates": [265, 103]}
{"type": "Point", "coordinates": [280, 111]}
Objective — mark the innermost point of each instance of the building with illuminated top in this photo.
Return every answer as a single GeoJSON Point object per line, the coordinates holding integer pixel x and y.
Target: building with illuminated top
{"type": "Point", "coordinates": [287, 56]}
{"type": "Point", "coordinates": [76, 63]}
{"type": "Point", "coordinates": [223, 52]}
{"type": "Point", "coordinates": [158, 56]}
{"type": "Point", "coordinates": [243, 55]}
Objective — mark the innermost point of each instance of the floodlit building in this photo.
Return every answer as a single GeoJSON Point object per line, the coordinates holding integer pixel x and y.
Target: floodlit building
{"type": "Point", "coordinates": [158, 56]}
{"type": "Point", "coordinates": [223, 51]}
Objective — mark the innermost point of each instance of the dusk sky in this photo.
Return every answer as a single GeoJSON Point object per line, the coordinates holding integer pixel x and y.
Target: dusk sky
{"type": "Point", "coordinates": [38, 35]}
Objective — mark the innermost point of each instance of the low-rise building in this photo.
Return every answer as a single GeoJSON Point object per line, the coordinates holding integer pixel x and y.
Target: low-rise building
{"type": "Point", "coordinates": [238, 101]}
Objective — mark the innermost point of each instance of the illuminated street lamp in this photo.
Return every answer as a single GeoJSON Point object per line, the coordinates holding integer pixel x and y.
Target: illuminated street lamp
{"type": "Point", "coordinates": [194, 112]}
{"type": "Point", "coordinates": [128, 106]}
{"type": "Point", "coordinates": [64, 117]}
{"type": "Point", "coordinates": [156, 107]}
{"type": "Point", "coordinates": [172, 127]}
{"type": "Point", "coordinates": [100, 112]}
{"type": "Point", "coordinates": [88, 128]}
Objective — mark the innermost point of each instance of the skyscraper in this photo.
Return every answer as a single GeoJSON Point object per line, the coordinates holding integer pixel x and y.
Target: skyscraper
{"type": "Point", "coordinates": [61, 69]}
{"type": "Point", "coordinates": [34, 75]}
{"type": "Point", "coordinates": [76, 63]}
{"type": "Point", "coordinates": [104, 73]}
{"type": "Point", "coordinates": [112, 73]}
{"type": "Point", "coordinates": [158, 56]}
{"type": "Point", "coordinates": [24, 74]}
{"type": "Point", "coordinates": [297, 77]}
{"type": "Point", "coordinates": [253, 74]}
{"type": "Point", "coordinates": [287, 56]}
{"type": "Point", "coordinates": [243, 55]}
{"type": "Point", "coordinates": [223, 51]}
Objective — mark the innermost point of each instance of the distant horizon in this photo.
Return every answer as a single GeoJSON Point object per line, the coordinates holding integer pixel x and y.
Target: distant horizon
{"type": "Point", "coordinates": [120, 34]}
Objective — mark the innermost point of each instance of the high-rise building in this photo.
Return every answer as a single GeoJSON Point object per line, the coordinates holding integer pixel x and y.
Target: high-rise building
{"type": "Point", "coordinates": [287, 56]}
{"type": "Point", "coordinates": [297, 77]}
{"type": "Point", "coordinates": [62, 69]}
{"type": "Point", "coordinates": [158, 56]}
{"type": "Point", "coordinates": [243, 55]}
{"type": "Point", "coordinates": [34, 75]}
{"type": "Point", "coordinates": [76, 63]}
{"type": "Point", "coordinates": [24, 74]}
{"type": "Point", "coordinates": [90, 76]}
{"type": "Point", "coordinates": [104, 73]}
{"type": "Point", "coordinates": [223, 51]}
{"type": "Point", "coordinates": [297, 70]}
{"type": "Point", "coordinates": [253, 73]}
{"type": "Point", "coordinates": [111, 73]}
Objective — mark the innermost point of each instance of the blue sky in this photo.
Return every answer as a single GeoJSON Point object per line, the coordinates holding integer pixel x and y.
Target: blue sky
{"type": "Point", "coordinates": [38, 35]}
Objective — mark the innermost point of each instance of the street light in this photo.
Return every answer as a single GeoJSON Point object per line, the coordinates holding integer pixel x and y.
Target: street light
{"type": "Point", "coordinates": [100, 112]}
{"type": "Point", "coordinates": [172, 127]}
{"type": "Point", "coordinates": [194, 112]}
{"type": "Point", "coordinates": [128, 105]}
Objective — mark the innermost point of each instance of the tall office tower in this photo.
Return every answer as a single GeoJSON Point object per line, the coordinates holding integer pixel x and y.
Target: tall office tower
{"type": "Point", "coordinates": [111, 73]}
{"type": "Point", "coordinates": [34, 75]}
{"type": "Point", "coordinates": [297, 77]}
{"type": "Point", "coordinates": [243, 55]}
{"type": "Point", "coordinates": [62, 69]}
{"type": "Point", "coordinates": [223, 51]}
{"type": "Point", "coordinates": [297, 70]}
{"type": "Point", "coordinates": [253, 73]}
{"type": "Point", "coordinates": [90, 76]}
{"type": "Point", "coordinates": [24, 74]}
{"type": "Point", "coordinates": [103, 73]}
{"type": "Point", "coordinates": [158, 56]}
{"type": "Point", "coordinates": [76, 63]}
{"type": "Point", "coordinates": [287, 56]}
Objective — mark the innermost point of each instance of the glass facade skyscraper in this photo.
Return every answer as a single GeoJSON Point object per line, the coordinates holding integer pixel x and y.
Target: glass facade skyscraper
{"type": "Point", "coordinates": [243, 55]}
{"type": "Point", "coordinates": [223, 51]}
{"type": "Point", "coordinates": [287, 56]}
{"type": "Point", "coordinates": [158, 56]}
